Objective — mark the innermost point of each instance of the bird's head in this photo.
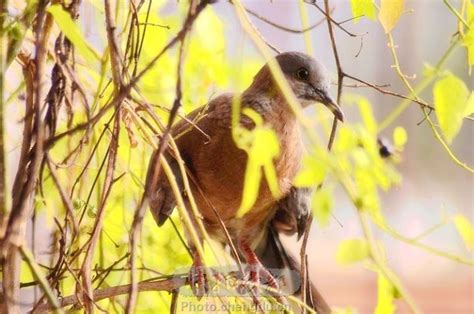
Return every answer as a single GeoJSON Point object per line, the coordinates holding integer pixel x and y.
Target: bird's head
{"type": "Point", "coordinates": [307, 78]}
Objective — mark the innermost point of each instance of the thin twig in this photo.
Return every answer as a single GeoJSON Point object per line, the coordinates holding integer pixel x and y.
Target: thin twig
{"type": "Point", "coordinates": [168, 284]}
{"type": "Point", "coordinates": [30, 260]}
{"type": "Point", "coordinates": [340, 77]}
{"type": "Point", "coordinates": [64, 197]}
{"type": "Point", "coordinates": [284, 28]}
{"type": "Point", "coordinates": [387, 92]}
{"type": "Point", "coordinates": [193, 13]}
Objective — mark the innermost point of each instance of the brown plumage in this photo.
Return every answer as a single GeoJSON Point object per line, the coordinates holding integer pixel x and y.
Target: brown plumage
{"type": "Point", "coordinates": [216, 165]}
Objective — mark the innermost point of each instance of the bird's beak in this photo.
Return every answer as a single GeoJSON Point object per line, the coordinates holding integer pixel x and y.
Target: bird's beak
{"type": "Point", "coordinates": [333, 106]}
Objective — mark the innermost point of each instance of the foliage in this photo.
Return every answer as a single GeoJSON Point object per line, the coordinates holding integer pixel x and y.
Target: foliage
{"type": "Point", "coordinates": [390, 12]}
{"type": "Point", "coordinates": [71, 31]}
{"type": "Point", "coordinates": [452, 102]}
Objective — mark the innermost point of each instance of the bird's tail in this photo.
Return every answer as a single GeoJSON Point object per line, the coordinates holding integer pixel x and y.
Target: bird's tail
{"type": "Point", "coordinates": [274, 257]}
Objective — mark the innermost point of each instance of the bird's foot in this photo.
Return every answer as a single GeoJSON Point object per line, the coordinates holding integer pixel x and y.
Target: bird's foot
{"type": "Point", "coordinates": [198, 281]}
{"type": "Point", "coordinates": [197, 278]}
{"type": "Point", "coordinates": [257, 275]}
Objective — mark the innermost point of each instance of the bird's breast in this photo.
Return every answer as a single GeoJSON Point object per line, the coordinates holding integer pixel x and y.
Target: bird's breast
{"type": "Point", "coordinates": [220, 171]}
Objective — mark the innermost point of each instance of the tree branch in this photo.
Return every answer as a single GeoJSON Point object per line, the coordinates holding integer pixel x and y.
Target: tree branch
{"type": "Point", "coordinates": [169, 284]}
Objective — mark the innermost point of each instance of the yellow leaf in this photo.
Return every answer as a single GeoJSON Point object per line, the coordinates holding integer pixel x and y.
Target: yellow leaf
{"type": "Point", "coordinates": [322, 205]}
{"type": "Point", "coordinates": [470, 105]}
{"type": "Point", "coordinates": [468, 39]}
{"type": "Point", "coordinates": [72, 32]}
{"type": "Point", "coordinates": [346, 310]}
{"type": "Point", "coordinates": [264, 147]}
{"type": "Point", "coordinates": [468, 42]}
{"type": "Point", "coordinates": [399, 136]}
{"type": "Point", "coordinates": [350, 251]}
{"type": "Point", "coordinates": [367, 115]}
{"type": "Point", "coordinates": [390, 12]}
{"type": "Point", "coordinates": [363, 8]}
{"type": "Point", "coordinates": [386, 293]}
{"type": "Point", "coordinates": [312, 172]}
{"type": "Point", "coordinates": [26, 273]}
{"type": "Point", "coordinates": [450, 100]}
{"type": "Point", "coordinates": [465, 229]}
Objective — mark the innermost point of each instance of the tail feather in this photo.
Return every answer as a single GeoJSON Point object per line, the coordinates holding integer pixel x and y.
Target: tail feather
{"type": "Point", "coordinates": [275, 258]}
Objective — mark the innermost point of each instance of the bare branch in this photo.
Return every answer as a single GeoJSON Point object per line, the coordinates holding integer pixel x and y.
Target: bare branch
{"type": "Point", "coordinates": [169, 284]}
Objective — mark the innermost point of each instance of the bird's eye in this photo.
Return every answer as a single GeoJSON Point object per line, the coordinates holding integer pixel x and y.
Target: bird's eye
{"type": "Point", "coordinates": [302, 74]}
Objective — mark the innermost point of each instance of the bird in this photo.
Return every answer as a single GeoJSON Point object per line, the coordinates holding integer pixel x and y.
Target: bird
{"type": "Point", "coordinates": [216, 166]}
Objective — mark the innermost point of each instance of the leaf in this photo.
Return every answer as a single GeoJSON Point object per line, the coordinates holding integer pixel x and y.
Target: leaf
{"type": "Point", "coordinates": [390, 12]}
{"type": "Point", "coordinates": [264, 147]}
{"type": "Point", "coordinates": [322, 204]}
{"type": "Point", "coordinates": [367, 115]}
{"type": "Point", "coordinates": [91, 211]}
{"type": "Point", "coordinates": [69, 28]}
{"type": "Point", "coordinates": [468, 42]}
{"type": "Point", "coordinates": [465, 229]}
{"type": "Point", "coordinates": [350, 251]}
{"type": "Point", "coordinates": [468, 39]}
{"type": "Point", "coordinates": [470, 105]}
{"type": "Point", "coordinates": [399, 136]}
{"type": "Point", "coordinates": [346, 310]}
{"type": "Point", "coordinates": [312, 172]}
{"type": "Point", "coordinates": [386, 294]}
{"type": "Point", "coordinates": [26, 273]}
{"type": "Point", "coordinates": [363, 8]}
{"type": "Point", "coordinates": [450, 100]}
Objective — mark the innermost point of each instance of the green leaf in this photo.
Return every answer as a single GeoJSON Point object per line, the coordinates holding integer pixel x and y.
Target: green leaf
{"type": "Point", "coordinates": [77, 204]}
{"type": "Point", "coordinates": [465, 229]}
{"type": "Point", "coordinates": [363, 8]}
{"type": "Point", "coordinates": [390, 12]}
{"type": "Point", "coordinates": [350, 251]}
{"type": "Point", "coordinates": [69, 28]}
{"type": "Point", "coordinates": [386, 293]}
{"type": "Point", "coordinates": [322, 204]}
{"type": "Point", "coordinates": [399, 136]}
{"type": "Point", "coordinates": [91, 211]}
{"type": "Point", "coordinates": [450, 100]}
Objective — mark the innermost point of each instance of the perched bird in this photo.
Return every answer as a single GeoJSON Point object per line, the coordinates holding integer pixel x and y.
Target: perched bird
{"type": "Point", "coordinates": [216, 166]}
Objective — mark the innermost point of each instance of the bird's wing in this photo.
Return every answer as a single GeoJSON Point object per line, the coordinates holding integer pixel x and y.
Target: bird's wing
{"type": "Point", "coordinates": [290, 218]}
{"type": "Point", "coordinates": [190, 134]}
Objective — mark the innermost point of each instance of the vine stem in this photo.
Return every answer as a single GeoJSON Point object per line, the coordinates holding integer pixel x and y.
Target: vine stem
{"type": "Point", "coordinates": [414, 93]}
{"type": "Point", "coordinates": [380, 263]}
{"type": "Point", "coordinates": [418, 89]}
{"type": "Point", "coordinates": [455, 12]}
{"type": "Point", "coordinates": [414, 242]}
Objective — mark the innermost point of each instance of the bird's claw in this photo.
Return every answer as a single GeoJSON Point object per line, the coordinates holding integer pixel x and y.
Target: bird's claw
{"type": "Point", "coordinates": [258, 275]}
{"type": "Point", "coordinates": [199, 282]}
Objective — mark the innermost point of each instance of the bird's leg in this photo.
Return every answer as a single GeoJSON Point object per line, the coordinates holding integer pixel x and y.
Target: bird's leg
{"type": "Point", "coordinates": [256, 269]}
{"type": "Point", "coordinates": [197, 276]}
